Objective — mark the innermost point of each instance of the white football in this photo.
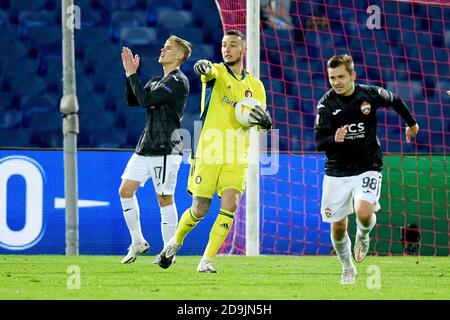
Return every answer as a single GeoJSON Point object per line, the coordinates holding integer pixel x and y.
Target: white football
{"type": "Point", "coordinates": [242, 111]}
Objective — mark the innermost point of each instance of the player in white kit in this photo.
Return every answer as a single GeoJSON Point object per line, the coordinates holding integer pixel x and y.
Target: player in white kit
{"type": "Point", "coordinates": [158, 152]}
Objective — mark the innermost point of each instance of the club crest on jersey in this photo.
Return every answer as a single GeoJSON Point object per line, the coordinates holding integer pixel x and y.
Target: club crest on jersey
{"type": "Point", "coordinates": [198, 179]}
{"type": "Point", "coordinates": [248, 94]}
{"type": "Point", "coordinates": [328, 212]}
{"type": "Point", "coordinates": [365, 107]}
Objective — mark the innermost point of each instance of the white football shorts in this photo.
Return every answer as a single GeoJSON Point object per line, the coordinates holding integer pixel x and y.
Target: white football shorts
{"type": "Point", "coordinates": [339, 194]}
{"type": "Point", "coordinates": [162, 169]}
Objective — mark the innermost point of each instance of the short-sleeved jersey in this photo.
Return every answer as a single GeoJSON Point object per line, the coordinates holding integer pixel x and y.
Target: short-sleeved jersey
{"type": "Point", "coordinates": [223, 139]}
{"type": "Point", "coordinates": [360, 150]}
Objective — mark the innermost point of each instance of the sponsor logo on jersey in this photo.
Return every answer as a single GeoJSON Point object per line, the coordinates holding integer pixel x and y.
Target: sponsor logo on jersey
{"type": "Point", "coordinates": [335, 112]}
{"type": "Point", "coordinates": [227, 100]}
{"type": "Point", "coordinates": [365, 108]}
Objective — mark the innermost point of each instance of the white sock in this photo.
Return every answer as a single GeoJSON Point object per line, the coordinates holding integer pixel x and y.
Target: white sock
{"type": "Point", "coordinates": [343, 250]}
{"type": "Point", "coordinates": [364, 230]}
{"type": "Point", "coordinates": [130, 209]}
{"type": "Point", "coordinates": [169, 221]}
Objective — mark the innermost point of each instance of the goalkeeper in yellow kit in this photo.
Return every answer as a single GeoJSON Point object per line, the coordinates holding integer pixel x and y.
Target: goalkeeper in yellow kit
{"type": "Point", "coordinates": [221, 157]}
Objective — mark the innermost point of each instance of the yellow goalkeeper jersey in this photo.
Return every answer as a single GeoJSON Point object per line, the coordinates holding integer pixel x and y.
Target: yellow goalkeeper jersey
{"type": "Point", "coordinates": [223, 139]}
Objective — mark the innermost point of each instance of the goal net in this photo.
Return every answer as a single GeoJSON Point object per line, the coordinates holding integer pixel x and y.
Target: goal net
{"type": "Point", "coordinates": [402, 46]}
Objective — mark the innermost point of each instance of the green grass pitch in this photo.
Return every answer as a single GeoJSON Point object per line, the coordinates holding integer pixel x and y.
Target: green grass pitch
{"type": "Point", "coordinates": [239, 278]}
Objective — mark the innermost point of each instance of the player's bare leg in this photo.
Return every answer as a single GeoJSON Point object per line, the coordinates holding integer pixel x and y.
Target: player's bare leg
{"type": "Point", "coordinates": [342, 246]}
{"type": "Point", "coordinates": [131, 214]}
{"type": "Point", "coordinates": [190, 218]}
{"type": "Point", "coordinates": [365, 221]}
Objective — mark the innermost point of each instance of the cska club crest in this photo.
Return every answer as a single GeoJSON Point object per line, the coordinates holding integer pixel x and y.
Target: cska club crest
{"type": "Point", "coordinates": [365, 107]}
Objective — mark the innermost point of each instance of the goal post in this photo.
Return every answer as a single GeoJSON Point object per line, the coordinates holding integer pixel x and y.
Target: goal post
{"type": "Point", "coordinates": [252, 211]}
{"type": "Point", "coordinates": [69, 110]}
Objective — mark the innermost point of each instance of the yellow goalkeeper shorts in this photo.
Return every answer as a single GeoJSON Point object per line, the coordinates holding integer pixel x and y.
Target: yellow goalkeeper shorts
{"type": "Point", "coordinates": [206, 179]}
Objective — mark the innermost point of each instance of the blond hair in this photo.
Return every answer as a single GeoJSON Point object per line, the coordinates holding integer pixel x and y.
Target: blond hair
{"type": "Point", "coordinates": [184, 45]}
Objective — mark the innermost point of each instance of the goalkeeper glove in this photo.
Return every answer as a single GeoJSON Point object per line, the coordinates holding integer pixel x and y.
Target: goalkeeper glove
{"type": "Point", "coordinates": [261, 117]}
{"type": "Point", "coordinates": [203, 66]}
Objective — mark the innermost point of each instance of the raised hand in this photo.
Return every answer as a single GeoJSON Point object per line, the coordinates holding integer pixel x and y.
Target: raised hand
{"type": "Point", "coordinates": [261, 117]}
{"type": "Point", "coordinates": [130, 62]}
{"type": "Point", "coordinates": [203, 66]}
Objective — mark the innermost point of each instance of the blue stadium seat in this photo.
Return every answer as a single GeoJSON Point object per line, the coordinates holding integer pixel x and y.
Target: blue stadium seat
{"type": "Point", "coordinates": [8, 34]}
{"type": "Point", "coordinates": [383, 48]}
{"type": "Point", "coordinates": [45, 121]}
{"type": "Point", "coordinates": [280, 116]}
{"type": "Point", "coordinates": [167, 4]}
{"type": "Point", "coordinates": [90, 18]}
{"type": "Point", "coordinates": [279, 101]}
{"type": "Point", "coordinates": [31, 19]}
{"type": "Point", "coordinates": [441, 55]}
{"type": "Point", "coordinates": [135, 119]}
{"type": "Point", "coordinates": [115, 94]}
{"type": "Point", "coordinates": [19, 6]}
{"type": "Point", "coordinates": [149, 70]}
{"type": "Point", "coordinates": [192, 34]}
{"type": "Point", "coordinates": [202, 9]}
{"type": "Point", "coordinates": [15, 138]}
{"type": "Point", "coordinates": [82, 4]}
{"type": "Point", "coordinates": [89, 36]}
{"type": "Point", "coordinates": [54, 76]}
{"type": "Point", "coordinates": [89, 102]}
{"type": "Point", "coordinates": [100, 53]}
{"type": "Point", "coordinates": [5, 100]}
{"type": "Point", "coordinates": [32, 104]}
{"type": "Point", "coordinates": [306, 92]}
{"type": "Point", "coordinates": [429, 68]}
{"type": "Point", "coordinates": [130, 36]}
{"type": "Point", "coordinates": [294, 120]}
{"type": "Point", "coordinates": [110, 138]}
{"type": "Point", "coordinates": [307, 106]}
{"type": "Point", "coordinates": [121, 19]}
{"type": "Point", "coordinates": [28, 85]}
{"type": "Point", "coordinates": [412, 90]}
{"type": "Point", "coordinates": [46, 54]}
{"type": "Point", "coordinates": [169, 19]}
{"type": "Point", "coordinates": [107, 72]}
{"type": "Point", "coordinates": [10, 118]}
{"type": "Point", "coordinates": [202, 51]}
{"type": "Point", "coordinates": [93, 123]}
{"type": "Point", "coordinates": [328, 52]}
{"type": "Point", "coordinates": [276, 86]}
{"type": "Point", "coordinates": [16, 50]}
{"type": "Point", "coordinates": [188, 123]}
{"type": "Point", "coordinates": [4, 19]}
{"type": "Point", "coordinates": [116, 5]}
{"type": "Point", "coordinates": [47, 139]}
{"type": "Point", "coordinates": [24, 68]}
